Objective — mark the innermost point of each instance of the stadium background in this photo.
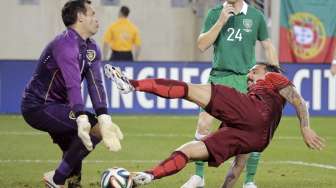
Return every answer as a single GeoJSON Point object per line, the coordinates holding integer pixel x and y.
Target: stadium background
{"type": "Point", "coordinates": [168, 50]}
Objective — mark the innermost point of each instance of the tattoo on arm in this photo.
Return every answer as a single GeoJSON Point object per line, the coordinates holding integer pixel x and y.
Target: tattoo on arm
{"type": "Point", "coordinates": [293, 97]}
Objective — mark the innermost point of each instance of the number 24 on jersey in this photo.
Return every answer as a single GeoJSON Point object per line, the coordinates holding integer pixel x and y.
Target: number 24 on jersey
{"type": "Point", "coordinates": [234, 34]}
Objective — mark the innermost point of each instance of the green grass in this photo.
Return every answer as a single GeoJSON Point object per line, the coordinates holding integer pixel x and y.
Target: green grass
{"type": "Point", "coordinates": [149, 139]}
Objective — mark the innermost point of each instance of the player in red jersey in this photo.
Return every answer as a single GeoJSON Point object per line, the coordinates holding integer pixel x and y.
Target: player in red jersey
{"type": "Point", "coordinates": [248, 120]}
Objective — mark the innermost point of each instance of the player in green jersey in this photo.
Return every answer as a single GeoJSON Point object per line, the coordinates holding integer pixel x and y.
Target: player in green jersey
{"type": "Point", "coordinates": [233, 29]}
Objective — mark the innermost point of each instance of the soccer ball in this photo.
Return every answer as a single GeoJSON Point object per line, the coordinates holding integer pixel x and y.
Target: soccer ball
{"type": "Point", "coordinates": [116, 178]}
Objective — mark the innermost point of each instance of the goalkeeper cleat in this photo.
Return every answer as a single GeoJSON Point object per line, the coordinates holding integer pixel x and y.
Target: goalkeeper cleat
{"type": "Point", "coordinates": [122, 82]}
{"type": "Point", "coordinates": [141, 178]}
{"type": "Point", "coordinates": [49, 182]}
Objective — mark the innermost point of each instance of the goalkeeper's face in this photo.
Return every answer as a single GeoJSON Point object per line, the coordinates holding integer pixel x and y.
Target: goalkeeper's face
{"type": "Point", "coordinates": [89, 20]}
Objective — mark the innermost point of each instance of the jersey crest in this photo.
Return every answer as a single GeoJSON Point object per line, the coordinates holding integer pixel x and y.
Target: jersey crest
{"type": "Point", "coordinates": [72, 115]}
{"type": "Point", "coordinates": [248, 23]}
{"type": "Point", "coordinates": [90, 55]}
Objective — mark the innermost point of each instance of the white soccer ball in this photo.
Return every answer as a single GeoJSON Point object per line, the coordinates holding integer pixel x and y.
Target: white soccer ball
{"type": "Point", "coordinates": [116, 178]}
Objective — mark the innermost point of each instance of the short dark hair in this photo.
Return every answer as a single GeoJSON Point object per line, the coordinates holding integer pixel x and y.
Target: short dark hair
{"type": "Point", "coordinates": [124, 10]}
{"type": "Point", "coordinates": [271, 68]}
{"type": "Point", "coordinates": [71, 9]}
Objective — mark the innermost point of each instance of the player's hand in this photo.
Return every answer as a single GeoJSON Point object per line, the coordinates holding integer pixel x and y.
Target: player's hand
{"type": "Point", "coordinates": [312, 140]}
{"type": "Point", "coordinates": [333, 69]}
{"type": "Point", "coordinates": [84, 128]}
{"type": "Point", "coordinates": [110, 132]}
{"type": "Point", "coordinates": [226, 13]}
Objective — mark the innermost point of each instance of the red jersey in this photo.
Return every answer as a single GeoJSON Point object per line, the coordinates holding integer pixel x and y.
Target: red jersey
{"type": "Point", "coordinates": [268, 91]}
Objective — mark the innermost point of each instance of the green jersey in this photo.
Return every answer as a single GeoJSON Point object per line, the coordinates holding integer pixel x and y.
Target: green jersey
{"type": "Point", "coordinates": [234, 48]}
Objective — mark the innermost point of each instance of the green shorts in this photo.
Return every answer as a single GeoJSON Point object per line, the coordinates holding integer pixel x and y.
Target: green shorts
{"type": "Point", "coordinates": [238, 82]}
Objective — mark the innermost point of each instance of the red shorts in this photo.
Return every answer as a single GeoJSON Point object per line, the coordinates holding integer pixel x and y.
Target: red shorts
{"type": "Point", "coordinates": [243, 129]}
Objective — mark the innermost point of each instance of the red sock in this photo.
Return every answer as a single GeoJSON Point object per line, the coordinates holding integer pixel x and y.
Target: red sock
{"type": "Point", "coordinates": [176, 162]}
{"type": "Point", "coordinates": [162, 87]}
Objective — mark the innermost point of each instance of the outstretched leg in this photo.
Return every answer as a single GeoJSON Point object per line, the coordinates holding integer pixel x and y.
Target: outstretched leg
{"type": "Point", "coordinates": [171, 89]}
{"type": "Point", "coordinates": [195, 150]}
{"type": "Point", "coordinates": [166, 88]}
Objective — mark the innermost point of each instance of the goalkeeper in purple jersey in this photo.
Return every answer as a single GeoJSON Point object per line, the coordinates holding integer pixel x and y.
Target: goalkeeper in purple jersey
{"type": "Point", "coordinates": [52, 100]}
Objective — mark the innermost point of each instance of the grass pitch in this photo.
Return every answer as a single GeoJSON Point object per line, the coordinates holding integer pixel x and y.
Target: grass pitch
{"type": "Point", "coordinates": [26, 154]}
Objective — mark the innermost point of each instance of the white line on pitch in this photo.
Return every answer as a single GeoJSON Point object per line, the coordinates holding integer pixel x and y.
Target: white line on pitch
{"type": "Point", "coordinates": [35, 133]}
{"type": "Point", "coordinates": [300, 163]}
{"type": "Point", "coordinates": [38, 161]}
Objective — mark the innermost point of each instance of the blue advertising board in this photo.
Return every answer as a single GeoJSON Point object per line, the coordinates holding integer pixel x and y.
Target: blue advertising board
{"type": "Point", "coordinates": [314, 82]}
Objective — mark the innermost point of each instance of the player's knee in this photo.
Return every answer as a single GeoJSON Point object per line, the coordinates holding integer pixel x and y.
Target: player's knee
{"type": "Point", "coordinates": [188, 149]}
{"type": "Point", "coordinates": [203, 126]}
{"type": "Point", "coordinates": [194, 150]}
{"type": "Point", "coordinates": [185, 151]}
{"type": "Point", "coordinates": [240, 164]}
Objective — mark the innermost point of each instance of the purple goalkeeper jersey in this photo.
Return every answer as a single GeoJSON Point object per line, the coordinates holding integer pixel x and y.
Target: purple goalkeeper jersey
{"type": "Point", "coordinates": [63, 65]}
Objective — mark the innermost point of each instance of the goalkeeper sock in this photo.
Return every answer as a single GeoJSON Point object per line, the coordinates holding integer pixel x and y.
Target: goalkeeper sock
{"type": "Point", "coordinates": [76, 170]}
{"type": "Point", "coordinates": [176, 162]}
{"type": "Point", "coordinates": [251, 166]}
{"type": "Point", "coordinates": [162, 87]}
{"type": "Point", "coordinates": [76, 153]}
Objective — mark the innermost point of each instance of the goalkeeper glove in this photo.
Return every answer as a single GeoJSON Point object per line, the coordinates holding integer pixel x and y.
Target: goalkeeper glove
{"type": "Point", "coordinates": [84, 128]}
{"type": "Point", "coordinates": [110, 132]}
